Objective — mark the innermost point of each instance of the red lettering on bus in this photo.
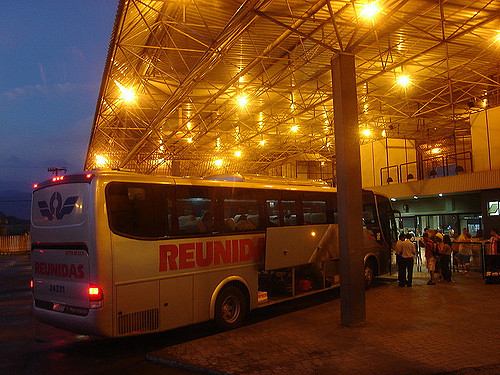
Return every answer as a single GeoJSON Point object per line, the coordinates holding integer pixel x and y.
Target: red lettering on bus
{"type": "Point", "coordinates": [168, 257]}
{"type": "Point", "coordinates": [205, 254]}
{"type": "Point", "coordinates": [222, 252]}
{"type": "Point", "coordinates": [60, 270]}
{"type": "Point", "coordinates": [246, 249]}
{"type": "Point", "coordinates": [202, 259]}
{"type": "Point", "coordinates": [186, 255]}
{"type": "Point", "coordinates": [235, 249]}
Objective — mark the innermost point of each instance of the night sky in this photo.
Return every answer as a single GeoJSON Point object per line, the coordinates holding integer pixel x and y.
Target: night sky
{"type": "Point", "coordinates": [52, 60]}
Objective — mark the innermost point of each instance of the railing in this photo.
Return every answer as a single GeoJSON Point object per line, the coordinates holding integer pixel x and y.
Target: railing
{"type": "Point", "coordinates": [439, 166]}
{"type": "Point", "coordinates": [14, 244]}
{"type": "Point", "coordinates": [480, 251]}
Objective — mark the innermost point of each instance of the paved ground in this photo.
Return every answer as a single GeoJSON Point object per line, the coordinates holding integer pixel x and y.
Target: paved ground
{"type": "Point", "coordinates": [447, 328]}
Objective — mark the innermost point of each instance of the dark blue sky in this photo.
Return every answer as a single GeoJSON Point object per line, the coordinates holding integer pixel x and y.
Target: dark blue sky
{"type": "Point", "coordinates": [52, 59]}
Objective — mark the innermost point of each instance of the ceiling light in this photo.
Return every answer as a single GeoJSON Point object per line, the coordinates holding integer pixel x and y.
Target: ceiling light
{"type": "Point", "coordinates": [294, 128]}
{"type": "Point", "coordinates": [262, 142]}
{"type": "Point", "coordinates": [242, 101]}
{"type": "Point", "coordinates": [384, 133]}
{"type": "Point", "coordinates": [369, 10]}
{"type": "Point", "coordinates": [403, 81]}
{"type": "Point", "coordinates": [366, 132]}
{"type": "Point", "coordinates": [218, 163]}
{"type": "Point", "coordinates": [100, 161]}
{"type": "Point", "coordinates": [126, 94]}
{"type": "Point", "coordinates": [436, 150]}
{"type": "Point", "coordinates": [237, 154]}
{"type": "Point", "coordinates": [189, 140]}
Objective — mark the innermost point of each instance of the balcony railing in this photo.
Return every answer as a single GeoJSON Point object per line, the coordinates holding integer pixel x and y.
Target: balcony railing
{"type": "Point", "coordinates": [439, 166]}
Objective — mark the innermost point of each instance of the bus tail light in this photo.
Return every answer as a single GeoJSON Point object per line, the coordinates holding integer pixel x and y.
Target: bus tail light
{"type": "Point", "coordinates": [95, 297]}
{"type": "Point", "coordinates": [31, 285]}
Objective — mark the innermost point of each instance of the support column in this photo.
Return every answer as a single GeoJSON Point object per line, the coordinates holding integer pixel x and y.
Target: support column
{"type": "Point", "coordinates": [350, 210]}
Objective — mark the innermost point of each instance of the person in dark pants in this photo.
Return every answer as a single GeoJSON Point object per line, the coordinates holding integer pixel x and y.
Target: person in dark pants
{"type": "Point", "coordinates": [446, 258]}
{"type": "Point", "coordinates": [405, 251]}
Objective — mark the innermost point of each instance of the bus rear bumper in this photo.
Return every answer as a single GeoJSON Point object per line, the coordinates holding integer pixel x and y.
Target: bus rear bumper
{"type": "Point", "coordinates": [96, 322]}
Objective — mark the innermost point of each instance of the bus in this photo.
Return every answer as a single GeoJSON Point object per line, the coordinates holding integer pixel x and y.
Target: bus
{"type": "Point", "coordinates": [117, 253]}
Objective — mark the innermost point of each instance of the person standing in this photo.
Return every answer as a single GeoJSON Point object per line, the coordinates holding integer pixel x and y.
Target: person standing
{"type": "Point", "coordinates": [399, 259]}
{"type": "Point", "coordinates": [429, 257]}
{"type": "Point", "coordinates": [446, 258]}
{"type": "Point", "coordinates": [494, 242]}
{"type": "Point", "coordinates": [406, 249]}
{"type": "Point", "coordinates": [464, 250]}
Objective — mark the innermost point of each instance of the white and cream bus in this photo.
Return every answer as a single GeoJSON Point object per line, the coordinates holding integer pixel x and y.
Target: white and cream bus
{"type": "Point", "coordinates": [117, 253]}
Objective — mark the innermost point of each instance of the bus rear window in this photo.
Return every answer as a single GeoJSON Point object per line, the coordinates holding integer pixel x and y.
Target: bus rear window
{"type": "Point", "coordinates": [138, 210]}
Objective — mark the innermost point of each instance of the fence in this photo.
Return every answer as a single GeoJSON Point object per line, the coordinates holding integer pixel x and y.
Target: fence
{"type": "Point", "coordinates": [15, 244]}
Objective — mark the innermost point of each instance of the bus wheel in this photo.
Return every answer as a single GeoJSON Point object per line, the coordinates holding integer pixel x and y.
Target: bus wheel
{"type": "Point", "coordinates": [369, 274]}
{"type": "Point", "coordinates": [230, 308]}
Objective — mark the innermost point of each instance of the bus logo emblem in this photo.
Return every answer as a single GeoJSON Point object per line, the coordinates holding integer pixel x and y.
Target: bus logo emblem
{"type": "Point", "coordinates": [55, 208]}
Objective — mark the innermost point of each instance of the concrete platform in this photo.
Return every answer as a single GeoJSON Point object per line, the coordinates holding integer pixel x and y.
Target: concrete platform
{"type": "Point", "coordinates": [446, 328]}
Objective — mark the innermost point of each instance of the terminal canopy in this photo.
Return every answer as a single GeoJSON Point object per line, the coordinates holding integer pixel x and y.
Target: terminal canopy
{"type": "Point", "coordinates": [193, 87]}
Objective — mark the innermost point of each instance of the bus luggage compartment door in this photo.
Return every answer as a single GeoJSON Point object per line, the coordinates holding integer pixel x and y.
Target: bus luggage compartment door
{"type": "Point", "coordinates": [297, 245]}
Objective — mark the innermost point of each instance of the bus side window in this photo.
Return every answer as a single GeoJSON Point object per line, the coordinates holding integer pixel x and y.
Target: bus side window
{"type": "Point", "coordinates": [289, 212]}
{"type": "Point", "coordinates": [273, 212]}
{"type": "Point", "coordinates": [314, 211]}
{"type": "Point", "coordinates": [195, 210]}
{"type": "Point", "coordinates": [137, 210]}
{"type": "Point", "coordinates": [241, 212]}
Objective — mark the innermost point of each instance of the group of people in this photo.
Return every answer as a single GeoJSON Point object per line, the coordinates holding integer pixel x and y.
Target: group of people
{"type": "Point", "coordinates": [438, 253]}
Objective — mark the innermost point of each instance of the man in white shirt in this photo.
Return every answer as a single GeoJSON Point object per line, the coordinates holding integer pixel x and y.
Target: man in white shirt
{"type": "Point", "coordinates": [405, 251]}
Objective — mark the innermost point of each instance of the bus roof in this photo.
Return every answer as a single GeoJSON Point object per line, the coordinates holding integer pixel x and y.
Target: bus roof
{"type": "Point", "coordinates": [223, 180]}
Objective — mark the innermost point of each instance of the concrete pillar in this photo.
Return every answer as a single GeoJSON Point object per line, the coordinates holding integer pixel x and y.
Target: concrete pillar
{"type": "Point", "coordinates": [350, 210]}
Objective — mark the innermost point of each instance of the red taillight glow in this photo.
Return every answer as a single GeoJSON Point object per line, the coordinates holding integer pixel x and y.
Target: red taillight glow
{"type": "Point", "coordinates": [31, 284]}
{"type": "Point", "coordinates": [95, 296]}
{"type": "Point", "coordinates": [89, 175]}
{"type": "Point", "coordinates": [35, 186]}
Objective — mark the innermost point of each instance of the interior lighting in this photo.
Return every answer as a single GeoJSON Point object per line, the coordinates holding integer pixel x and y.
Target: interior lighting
{"type": "Point", "coordinates": [189, 140]}
{"type": "Point", "coordinates": [415, 197]}
{"type": "Point", "coordinates": [218, 163]}
{"type": "Point", "coordinates": [294, 128]}
{"type": "Point", "coordinates": [237, 154]}
{"type": "Point", "coordinates": [126, 94]}
{"type": "Point", "coordinates": [403, 81]}
{"type": "Point", "coordinates": [100, 160]}
{"type": "Point", "coordinates": [440, 194]}
{"type": "Point", "coordinates": [313, 234]}
{"type": "Point", "coordinates": [242, 101]}
{"type": "Point", "coordinates": [366, 132]}
{"type": "Point", "coordinates": [369, 10]}
{"type": "Point", "coordinates": [484, 103]}
{"type": "Point", "coordinates": [384, 133]}
{"type": "Point", "coordinates": [436, 150]}
{"type": "Point", "coordinates": [262, 142]}
{"type": "Point", "coordinates": [393, 199]}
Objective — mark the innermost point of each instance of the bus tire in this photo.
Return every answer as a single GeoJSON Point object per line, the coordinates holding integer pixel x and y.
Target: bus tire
{"type": "Point", "coordinates": [230, 308]}
{"type": "Point", "coordinates": [369, 273]}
